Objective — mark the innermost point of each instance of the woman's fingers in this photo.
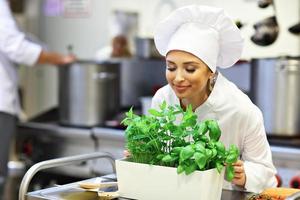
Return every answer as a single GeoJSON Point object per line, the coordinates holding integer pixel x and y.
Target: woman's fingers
{"type": "Point", "coordinates": [239, 173]}
{"type": "Point", "coordinates": [126, 153]}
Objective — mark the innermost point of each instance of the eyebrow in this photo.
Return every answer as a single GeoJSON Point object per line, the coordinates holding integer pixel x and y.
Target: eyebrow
{"type": "Point", "coordinates": [185, 63]}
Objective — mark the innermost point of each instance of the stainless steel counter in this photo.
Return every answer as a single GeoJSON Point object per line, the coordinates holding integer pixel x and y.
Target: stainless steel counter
{"type": "Point", "coordinates": [72, 191]}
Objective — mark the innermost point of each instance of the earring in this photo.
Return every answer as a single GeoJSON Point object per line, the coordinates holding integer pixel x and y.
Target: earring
{"type": "Point", "coordinates": [210, 84]}
{"type": "Point", "coordinates": [212, 81]}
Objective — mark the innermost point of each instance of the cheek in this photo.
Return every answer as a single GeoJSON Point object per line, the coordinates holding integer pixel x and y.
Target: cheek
{"type": "Point", "coordinates": [169, 76]}
{"type": "Point", "coordinates": [200, 81]}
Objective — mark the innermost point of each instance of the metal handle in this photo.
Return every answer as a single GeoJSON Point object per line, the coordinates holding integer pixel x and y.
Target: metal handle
{"type": "Point", "coordinates": [56, 163]}
{"type": "Point", "coordinates": [104, 76]}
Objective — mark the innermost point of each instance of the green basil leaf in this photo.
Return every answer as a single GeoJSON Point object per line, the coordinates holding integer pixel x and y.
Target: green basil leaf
{"type": "Point", "coordinates": [229, 172]}
{"type": "Point", "coordinates": [160, 156]}
{"type": "Point", "coordinates": [177, 150]}
{"type": "Point", "coordinates": [163, 105]}
{"type": "Point", "coordinates": [202, 128]}
{"type": "Point", "coordinates": [208, 153]}
{"type": "Point", "coordinates": [200, 147]}
{"type": "Point", "coordinates": [190, 168]}
{"type": "Point", "coordinates": [180, 169]}
{"type": "Point", "coordinates": [186, 153]}
{"type": "Point", "coordinates": [231, 158]}
{"type": "Point", "coordinates": [219, 166]}
{"type": "Point", "coordinates": [214, 130]}
{"type": "Point", "coordinates": [214, 153]}
{"type": "Point", "coordinates": [220, 146]}
{"type": "Point", "coordinates": [167, 158]}
{"type": "Point", "coordinates": [155, 113]}
{"type": "Point", "coordinates": [200, 159]}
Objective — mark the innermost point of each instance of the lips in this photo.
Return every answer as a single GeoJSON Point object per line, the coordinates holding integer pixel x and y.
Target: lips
{"type": "Point", "coordinates": [180, 88]}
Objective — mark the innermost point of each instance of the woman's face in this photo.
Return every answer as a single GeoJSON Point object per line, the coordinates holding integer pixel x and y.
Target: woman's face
{"type": "Point", "coordinates": [187, 75]}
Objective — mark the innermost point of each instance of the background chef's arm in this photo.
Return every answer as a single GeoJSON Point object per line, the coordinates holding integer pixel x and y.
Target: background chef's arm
{"type": "Point", "coordinates": [259, 168]}
{"type": "Point", "coordinates": [17, 48]}
{"type": "Point", "coordinates": [54, 58]}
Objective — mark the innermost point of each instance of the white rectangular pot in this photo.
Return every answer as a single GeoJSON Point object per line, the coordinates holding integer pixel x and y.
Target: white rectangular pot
{"type": "Point", "coordinates": [148, 182]}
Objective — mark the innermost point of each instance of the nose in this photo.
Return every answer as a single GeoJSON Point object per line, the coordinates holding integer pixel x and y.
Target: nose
{"type": "Point", "coordinates": [179, 77]}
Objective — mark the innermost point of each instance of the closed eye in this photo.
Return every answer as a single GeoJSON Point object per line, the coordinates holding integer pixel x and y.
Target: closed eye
{"type": "Point", "coordinates": [190, 70]}
{"type": "Point", "coordinates": [171, 68]}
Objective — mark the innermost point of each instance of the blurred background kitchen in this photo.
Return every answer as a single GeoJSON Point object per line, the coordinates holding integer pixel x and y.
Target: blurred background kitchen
{"type": "Point", "coordinates": [78, 109]}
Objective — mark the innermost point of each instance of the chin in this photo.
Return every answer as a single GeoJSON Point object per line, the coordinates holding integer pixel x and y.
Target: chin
{"type": "Point", "coordinates": [181, 95]}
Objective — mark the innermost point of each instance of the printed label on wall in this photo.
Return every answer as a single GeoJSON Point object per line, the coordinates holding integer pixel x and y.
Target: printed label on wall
{"type": "Point", "coordinates": [76, 8]}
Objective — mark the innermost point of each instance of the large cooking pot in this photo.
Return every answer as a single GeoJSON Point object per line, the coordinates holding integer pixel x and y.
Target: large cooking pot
{"type": "Point", "coordinates": [88, 92]}
{"type": "Point", "coordinates": [275, 90]}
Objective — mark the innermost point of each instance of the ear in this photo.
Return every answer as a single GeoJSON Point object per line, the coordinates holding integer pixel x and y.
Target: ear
{"type": "Point", "coordinates": [211, 74]}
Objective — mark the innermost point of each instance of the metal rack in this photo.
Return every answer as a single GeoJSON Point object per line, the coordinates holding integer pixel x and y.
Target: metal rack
{"type": "Point", "coordinates": [59, 162]}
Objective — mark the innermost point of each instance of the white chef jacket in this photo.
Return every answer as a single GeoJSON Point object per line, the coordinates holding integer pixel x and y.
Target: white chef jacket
{"type": "Point", "coordinates": [103, 54]}
{"type": "Point", "coordinates": [14, 48]}
{"type": "Point", "coordinates": [241, 123]}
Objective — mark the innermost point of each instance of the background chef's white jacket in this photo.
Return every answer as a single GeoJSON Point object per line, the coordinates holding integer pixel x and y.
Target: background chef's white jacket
{"type": "Point", "coordinates": [241, 123]}
{"type": "Point", "coordinates": [14, 48]}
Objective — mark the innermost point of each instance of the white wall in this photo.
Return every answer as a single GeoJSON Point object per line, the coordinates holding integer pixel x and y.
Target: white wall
{"type": "Point", "coordinates": [245, 10]}
{"type": "Point", "coordinates": [88, 34]}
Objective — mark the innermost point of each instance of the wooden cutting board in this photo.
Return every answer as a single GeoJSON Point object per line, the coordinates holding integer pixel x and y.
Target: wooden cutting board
{"type": "Point", "coordinates": [280, 193]}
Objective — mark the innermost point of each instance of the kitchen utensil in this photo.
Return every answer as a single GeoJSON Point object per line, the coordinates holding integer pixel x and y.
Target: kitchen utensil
{"type": "Point", "coordinates": [95, 185]}
{"type": "Point", "coordinates": [266, 32]}
{"type": "Point", "coordinates": [88, 92]}
{"type": "Point", "coordinates": [264, 3]}
{"type": "Point", "coordinates": [295, 29]}
{"type": "Point", "coordinates": [108, 195]}
{"type": "Point", "coordinates": [275, 87]}
{"type": "Point", "coordinates": [145, 48]}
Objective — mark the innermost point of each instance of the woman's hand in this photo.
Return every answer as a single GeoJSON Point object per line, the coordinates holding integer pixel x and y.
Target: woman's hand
{"type": "Point", "coordinates": [126, 153]}
{"type": "Point", "coordinates": [239, 174]}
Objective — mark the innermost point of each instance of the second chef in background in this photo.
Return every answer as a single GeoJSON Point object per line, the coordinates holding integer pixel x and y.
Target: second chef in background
{"type": "Point", "coordinates": [15, 48]}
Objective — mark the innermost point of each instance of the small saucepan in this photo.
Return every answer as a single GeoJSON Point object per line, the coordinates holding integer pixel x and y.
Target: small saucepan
{"type": "Point", "coordinates": [266, 32]}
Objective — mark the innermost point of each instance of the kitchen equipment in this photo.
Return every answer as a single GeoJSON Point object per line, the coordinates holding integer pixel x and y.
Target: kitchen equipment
{"type": "Point", "coordinates": [264, 3]}
{"type": "Point", "coordinates": [266, 31]}
{"type": "Point", "coordinates": [88, 92]}
{"type": "Point", "coordinates": [295, 29]}
{"type": "Point", "coordinates": [57, 163]}
{"type": "Point", "coordinates": [295, 181]}
{"type": "Point", "coordinates": [140, 77]}
{"type": "Point", "coordinates": [97, 185]}
{"type": "Point", "coordinates": [145, 48]}
{"type": "Point", "coordinates": [286, 162]}
{"type": "Point", "coordinates": [275, 90]}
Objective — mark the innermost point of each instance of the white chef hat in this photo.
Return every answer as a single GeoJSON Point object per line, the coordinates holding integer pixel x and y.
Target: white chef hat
{"type": "Point", "coordinates": [203, 31]}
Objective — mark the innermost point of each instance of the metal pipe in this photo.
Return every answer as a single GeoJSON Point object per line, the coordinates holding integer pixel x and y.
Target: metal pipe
{"type": "Point", "coordinates": [59, 162]}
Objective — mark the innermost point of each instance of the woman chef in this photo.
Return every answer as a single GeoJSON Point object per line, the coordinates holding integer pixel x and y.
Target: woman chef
{"type": "Point", "coordinates": [195, 40]}
{"type": "Point", "coordinates": [14, 48]}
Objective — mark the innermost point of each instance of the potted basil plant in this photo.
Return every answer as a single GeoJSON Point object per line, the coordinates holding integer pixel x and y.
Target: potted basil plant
{"type": "Point", "coordinates": [173, 156]}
